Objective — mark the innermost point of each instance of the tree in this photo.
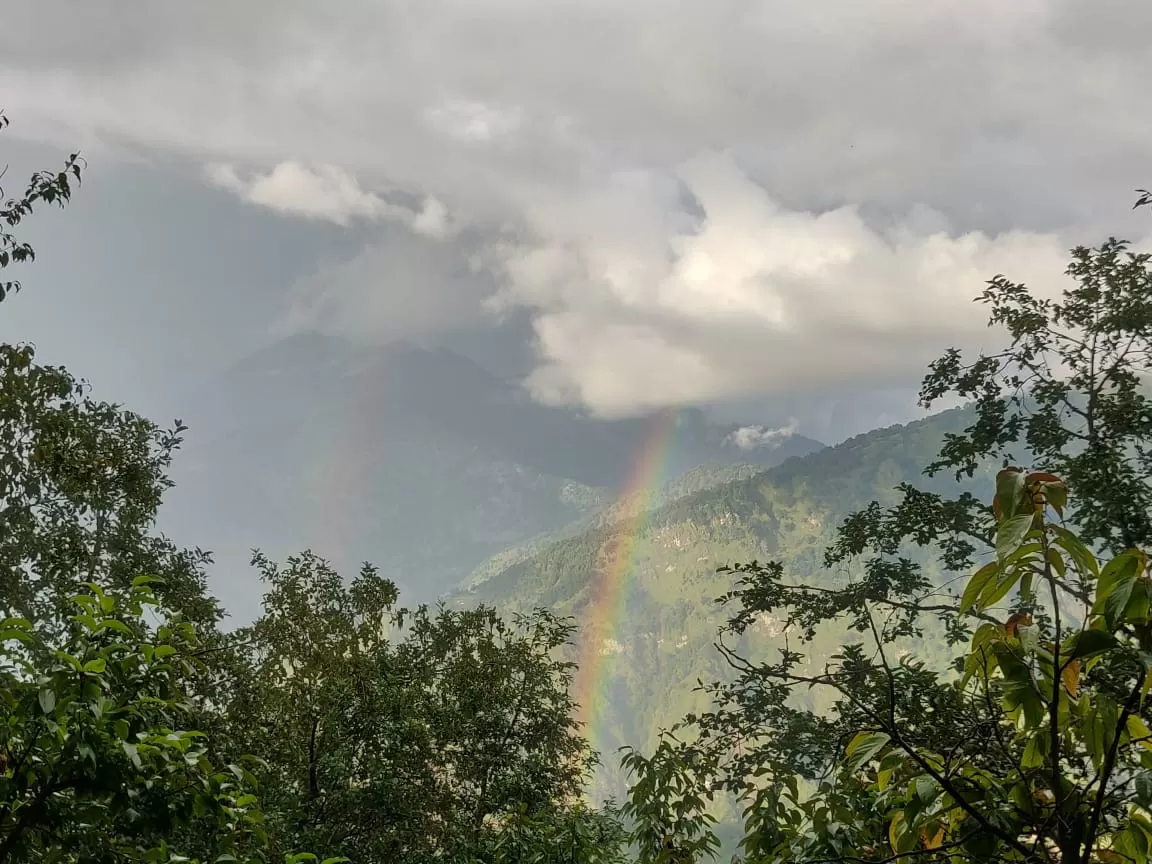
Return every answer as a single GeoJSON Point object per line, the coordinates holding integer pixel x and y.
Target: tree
{"type": "Point", "coordinates": [1068, 392]}
{"type": "Point", "coordinates": [407, 735]}
{"type": "Point", "coordinates": [80, 484]}
{"type": "Point", "coordinates": [98, 761]}
{"type": "Point", "coordinates": [668, 805]}
{"type": "Point", "coordinates": [571, 835]}
{"type": "Point", "coordinates": [80, 479]}
{"type": "Point", "coordinates": [45, 187]}
{"type": "Point", "coordinates": [102, 675]}
{"type": "Point", "coordinates": [1070, 388]}
{"type": "Point", "coordinates": [1038, 749]}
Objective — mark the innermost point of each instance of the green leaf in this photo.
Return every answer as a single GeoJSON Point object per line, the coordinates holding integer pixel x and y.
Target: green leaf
{"type": "Point", "coordinates": [925, 789]}
{"type": "Point", "coordinates": [981, 657]}
{"type": "Point", "coordinates": [1020, 689]}
{"type": "Point", "coordinates": [1131, 844]}
{"type": "Point", "coordinates": [95, 667]}
{"type": "Point", "coordinates": [1137, 608]}
{"type": "Point", "coordinates": [863, 747]}
{"type": "Point", "coordinates": [977, 584]}
{"type": "Point", "coordinates": [1114, 589]}
{"type": "Point", "coordinates": [1035, 751]}
{"type": "Point", "coordinates": [1138, 731]}
{"type": "Point", "coordinates": [1087, 643]}
{"type": "Point", "coordinates": [47, 700]}
{"type": "Point", "coordinates": [1010, 534]}
{"type": "Point", "coordinates": [1010, 493]}
{"type": "Point", "coordinates": [996, 591]}
{"type": "Point", "coordinates": [1144, 790]}
{"type": "Point", "coordinates": [1080, 554]}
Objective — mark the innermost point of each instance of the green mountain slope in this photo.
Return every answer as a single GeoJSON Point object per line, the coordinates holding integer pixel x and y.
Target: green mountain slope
{"type": "Point", "coordinates": [667, 618]}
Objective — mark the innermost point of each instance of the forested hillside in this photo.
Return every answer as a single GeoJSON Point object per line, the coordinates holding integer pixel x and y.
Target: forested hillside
{"type": "Point", "coordinates": [668, 621]}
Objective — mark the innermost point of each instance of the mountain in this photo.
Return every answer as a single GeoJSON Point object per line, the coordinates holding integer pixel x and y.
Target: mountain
{"type": "Point", "coordinates": [414, 458]}
{"type": "Point", "coordinates": [663, 643]}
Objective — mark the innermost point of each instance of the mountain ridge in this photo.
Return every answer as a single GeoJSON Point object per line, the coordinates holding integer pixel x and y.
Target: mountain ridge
{"type": "Point", "coordinates": [417, 459]}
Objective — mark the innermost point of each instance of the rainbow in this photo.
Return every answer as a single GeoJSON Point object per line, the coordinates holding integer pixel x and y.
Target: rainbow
{"type": "Point", "coordinates": [614, 570]}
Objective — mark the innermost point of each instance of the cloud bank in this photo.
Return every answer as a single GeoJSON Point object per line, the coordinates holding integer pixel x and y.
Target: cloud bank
{"type": "Point", "coordinates": [751, 297]}
{"type": "Point", "coordinates": [691, 202]}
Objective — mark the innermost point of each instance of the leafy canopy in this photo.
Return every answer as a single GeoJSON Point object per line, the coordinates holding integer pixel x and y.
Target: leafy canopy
{"type": "Point", "coordinates": [1032, 742]}
{"type": "Point", "coordinates": [98, 761]}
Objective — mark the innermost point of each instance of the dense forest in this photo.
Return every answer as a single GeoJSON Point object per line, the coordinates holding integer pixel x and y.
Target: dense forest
{"type": "Point", "coordinates": [901, 648]}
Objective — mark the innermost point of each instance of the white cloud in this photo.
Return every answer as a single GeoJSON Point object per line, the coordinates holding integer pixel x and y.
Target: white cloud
{"type": "Point", "coordinates": [325, 192]}
{"type": "Point", "coordinates": [758, 437]}
{"type": "Point", "coordinates": [753, 297]}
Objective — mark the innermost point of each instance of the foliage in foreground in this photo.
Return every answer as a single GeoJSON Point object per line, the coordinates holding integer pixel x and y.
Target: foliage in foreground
{"type": "Point", "coordinates": [98, 758]}
{"type": "Point", "coordinates": [1034, 745]}
{"type": "Point", "coordinates": [408, 735]}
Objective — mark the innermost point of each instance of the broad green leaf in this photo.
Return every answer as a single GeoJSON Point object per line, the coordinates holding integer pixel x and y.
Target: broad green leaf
{"type": "Point", "coordinates": [1139, 732]}
{"type": "Point", "coordinates": [883, 777]}
{"type": "Point", "coordinates": [1087, 643]}
{"type": "Point", "coordinates": [977, 584]}
{"type": "Point", "coordinates": [96, 666]}
{"type": "Point", "coordinates": [1011, 494]}
{"type": "Point", "coordinates": [1132, 844]}
{"type": "Point", "coordinates": [981, 657]}
{"type": "Point", "coordinates": [1010, 534]}
{"type": "Point", "coordinates": [1143, 785]}
{"type": "Point", "coordinates": [118, 626]}
{"type": "Point", "coordinates": [1137, 608]}
{"type": "Point", "coordinates": [925, 789]}
{"type": "Point", "coordinates": [895, 830]}
{"type": "Point", "coordinates": [996, 591]}
{"type": "Point", "coordinates": [1019, 686]}
{"type": "Point", "coordinates": [864, 747]}
{"type": "Point", "coordinates": [1036, 750]}
{"type": "Point", "coordinates": [1080, 554]}
{"type": "Point", "coordinates": [1114, 588]}
{"type": "Point", "coordinates": [47, 700]}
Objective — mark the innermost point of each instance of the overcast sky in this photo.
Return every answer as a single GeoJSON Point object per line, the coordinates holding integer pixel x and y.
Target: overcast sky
{"type": "Point", "coordinates": [651, 202]}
